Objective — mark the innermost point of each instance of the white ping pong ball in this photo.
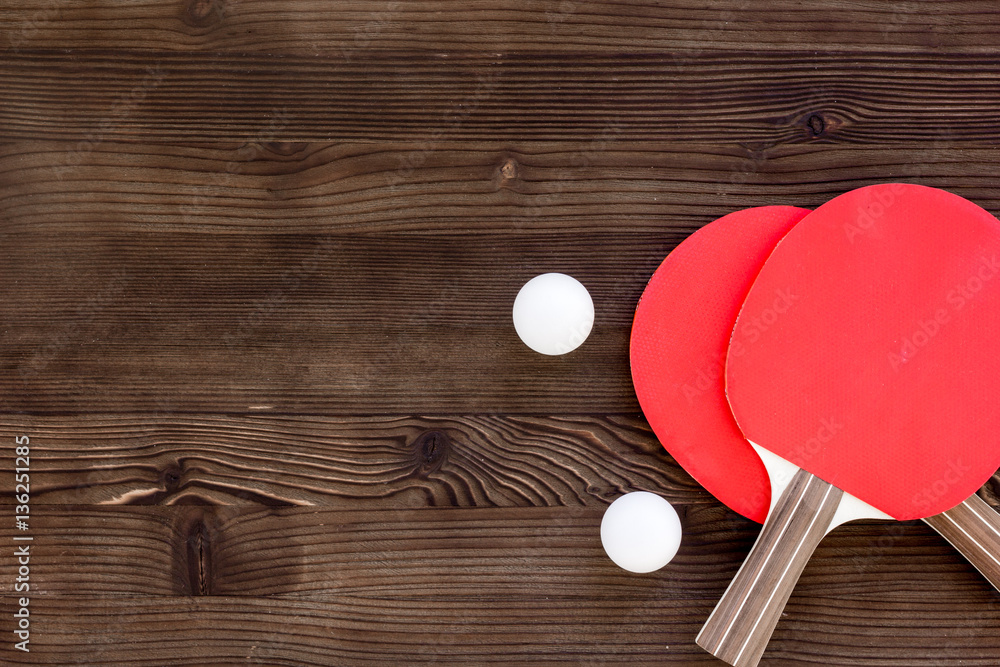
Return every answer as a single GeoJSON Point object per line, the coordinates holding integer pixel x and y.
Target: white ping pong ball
{"type": "Point", "coordinates": [553, 313]}
{"type": "Point", "coordinates": [641, 532]}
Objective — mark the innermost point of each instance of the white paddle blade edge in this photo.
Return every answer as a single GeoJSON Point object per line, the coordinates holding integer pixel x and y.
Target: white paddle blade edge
{"type": "Point", "coordinates": [781, 472]}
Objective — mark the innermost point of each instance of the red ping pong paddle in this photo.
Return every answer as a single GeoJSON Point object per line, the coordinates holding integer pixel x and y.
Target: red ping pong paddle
{"type": "Point", "coordinates": [874, 396]}
{"type": "Point", "coordinates": [678, 345]}
{"type": "Point", "coordinates": [680, 336]}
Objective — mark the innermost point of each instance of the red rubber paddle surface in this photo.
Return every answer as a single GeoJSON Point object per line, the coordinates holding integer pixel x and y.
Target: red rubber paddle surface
{"type": "Point", "coordinates": [680, 337]}
{"type": "Point", "coordinates": [873, 363]}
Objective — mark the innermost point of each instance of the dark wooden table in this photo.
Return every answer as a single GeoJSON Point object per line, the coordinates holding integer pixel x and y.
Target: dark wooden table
{"type": "Point", "coordinates": [257, 261]}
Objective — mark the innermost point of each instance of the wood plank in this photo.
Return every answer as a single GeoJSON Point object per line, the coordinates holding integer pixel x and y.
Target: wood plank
{"type": "Point", "coordinates": [354, 462]}
{"type": "Point", "coordinates": [356, 29]}
{"type": "Point", "coordinates": [120, 322]}
{"type": "Point", "coordinates": [712, 97]}
{"type": "Point", "coordinates": [216, 631]}
{"type": "Point", "coordinates": [453, 553]}
{"type": "Point", "coordinates": [482, 188]}
{"type": "Point", "coordinates": [209, 631]}
{"type": "Point", "coordinates": [302, 586]}
{"type": "Point", "coordinates": [238, 314]}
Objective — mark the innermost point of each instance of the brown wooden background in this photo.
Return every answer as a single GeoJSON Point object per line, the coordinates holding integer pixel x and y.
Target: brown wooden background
{"type": "Point", "coordinates": [257, 259]}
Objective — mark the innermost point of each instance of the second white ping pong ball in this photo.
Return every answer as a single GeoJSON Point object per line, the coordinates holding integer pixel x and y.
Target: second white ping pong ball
{"type": "Point", "coordinates": [553, 313]}
{"type": "Point", "coordinates": [641, 532]}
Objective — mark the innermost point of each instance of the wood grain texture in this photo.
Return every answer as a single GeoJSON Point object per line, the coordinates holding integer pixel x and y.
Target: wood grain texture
{"type": "Point", "coordinates": [732, 98]}
{"type": "Point", "coordinates": [352, 462]}
{"type": "Point", "coordinates": [255, 302]}
{"type": "Point", "coordinates": [257, 261]}
{"type": "Point", "coordinates": [307, 324]}
{"type": "Point", "coordinates": [383, 582]}
{"type": "Point", "coordinates": [490, 188]}
{"type": "Point", "coordinates": [354, 29]}
{"type": "Point", "coordinates": [434, 553]}
{"type": "Point", "coordinates": [219, 630]}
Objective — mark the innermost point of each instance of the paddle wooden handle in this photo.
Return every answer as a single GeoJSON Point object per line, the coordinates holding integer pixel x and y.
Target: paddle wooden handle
{"type": "Point", "coordinates": [973, 527]}
{"type": "Point", "coordinates": [741, 624]}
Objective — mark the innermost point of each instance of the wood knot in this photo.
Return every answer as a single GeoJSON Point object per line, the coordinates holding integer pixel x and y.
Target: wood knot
{"type": "Point", "coordinates": [203, 13]}
{"type": "Point", "coordinates": [816, 124]}
{"type": "Point", "coordinates": [170, 478]}
{"type": "Point", "coordinates": [198, 534]}
{"type": "Point", "coordinates": [509, 169]}
{"type": "Point", "coordinates": [506, 173]}
{"type": "Point", "coordinates": [285, 148]}
{"type": "Point", "coordinates": [430, 450]}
